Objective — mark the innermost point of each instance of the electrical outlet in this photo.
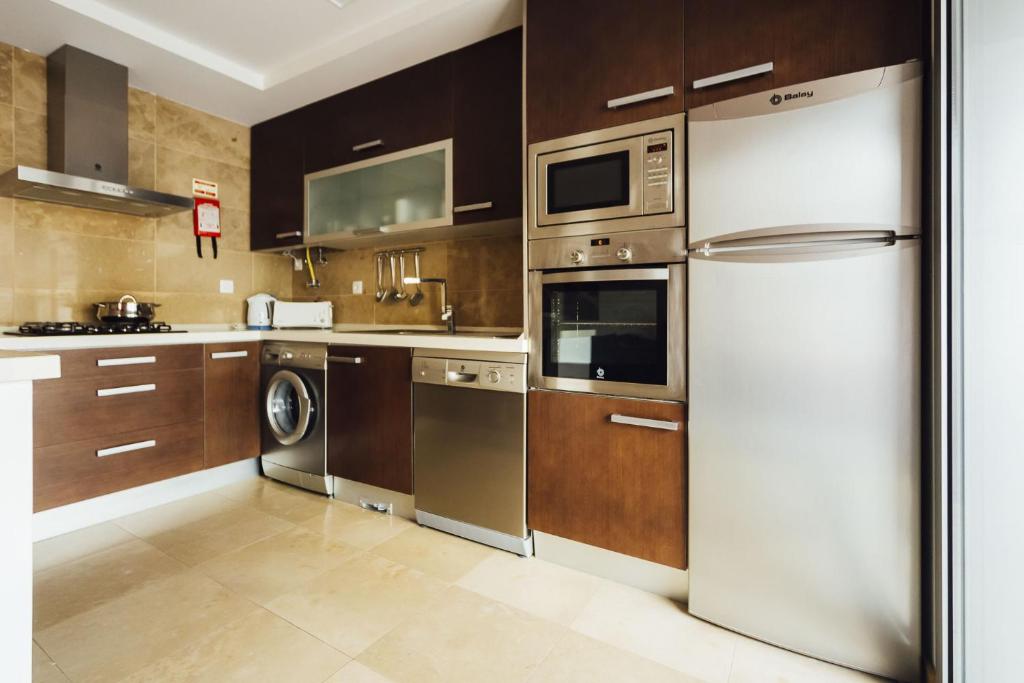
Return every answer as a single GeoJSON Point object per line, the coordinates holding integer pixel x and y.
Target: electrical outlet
{"type": "Point", "coordinates": [227, 286]}
{"type": "Point", "coordinates": [357, 286]}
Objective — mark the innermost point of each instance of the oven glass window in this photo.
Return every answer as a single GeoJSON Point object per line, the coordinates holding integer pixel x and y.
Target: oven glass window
{"type": "Point", "coordinates": [591, 183]}
{"type": "Point", "coordinates": [613, 331]}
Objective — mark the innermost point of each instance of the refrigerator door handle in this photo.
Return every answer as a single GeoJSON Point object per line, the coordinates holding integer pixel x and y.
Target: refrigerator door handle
{"type": "Point", "coordinates": [779, 247]}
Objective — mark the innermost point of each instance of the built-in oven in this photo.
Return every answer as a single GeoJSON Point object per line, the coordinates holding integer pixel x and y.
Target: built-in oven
{"type": "Point", "coordinates": [608, 314]}
{"type": "Point", "coordinates": [618, 179]}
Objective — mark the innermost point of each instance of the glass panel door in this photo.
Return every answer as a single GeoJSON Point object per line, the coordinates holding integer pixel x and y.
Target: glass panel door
{"type": "Point", "coordinates": [614, 331]}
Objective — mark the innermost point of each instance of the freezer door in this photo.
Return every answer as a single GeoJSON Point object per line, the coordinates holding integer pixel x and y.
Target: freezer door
{"type": "Point", "coordinates": [854, 159]}
{"type": "Point", "coordinates": [804, 449]}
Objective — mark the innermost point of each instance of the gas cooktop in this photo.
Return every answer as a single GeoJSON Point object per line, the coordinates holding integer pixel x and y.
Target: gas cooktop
{"type": "Point", "coordinates": [51, 329]}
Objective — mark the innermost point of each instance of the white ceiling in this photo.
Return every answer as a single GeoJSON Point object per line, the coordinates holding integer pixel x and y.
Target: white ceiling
{"type": "Point", "coordinates": [249, 60]}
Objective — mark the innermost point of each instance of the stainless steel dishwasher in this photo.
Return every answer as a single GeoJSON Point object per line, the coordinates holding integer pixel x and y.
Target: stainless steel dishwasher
{"type": "Point", "coordinates": [469, 435]}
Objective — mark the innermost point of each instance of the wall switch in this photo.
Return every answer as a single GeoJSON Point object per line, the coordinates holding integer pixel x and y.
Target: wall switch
{"type": "Point", "coordinates": [357, 286]}
{"type": "Point", "coordinates": [227, 286]}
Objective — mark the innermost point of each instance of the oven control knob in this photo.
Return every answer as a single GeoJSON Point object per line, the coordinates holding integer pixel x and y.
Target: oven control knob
{"type": "Point", "coordinates": [493, 376]}
{"type": "Point", "coordinates": [576, 256]}
{"type": "Point", "coordinates": [624, 253]}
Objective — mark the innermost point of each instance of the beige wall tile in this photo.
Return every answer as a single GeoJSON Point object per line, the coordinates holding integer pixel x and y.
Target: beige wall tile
{"type": "Point", "coordinates": [141, 114]}
{"type": "Point", "coordinates": [6, 73]}
{"type": "Point", "coordinates": [177, 308]}
{"type": "Point", "coordinates": [176, 169]}
{"type": "Point", "coordinates": [29, 85]}
{"type": "Point", "coordinates": [45, 216]}
{"type": "Point", "coordinates": [7, 316]}
{"type": "Point", "coordinates": [6, 136]}
{"type": "Point", "coordinates": [488, 263]}
{"type": "Point", "coordinates": [141, 163]}
{"type": "Point", "coordinates": [494, 308]}
{"type": "Point", "coordinates": [178, 269]}
{"type": "Point", "coordinates": [29, 138]}
{"type": "Point", "coordinates": [272, 274]}
{"type": "Point", "coordinates": [195, 132]}
{"type": "Point", "coordinates": [6, 242]}
{"type": "Point", "coordinates": [54, 260]}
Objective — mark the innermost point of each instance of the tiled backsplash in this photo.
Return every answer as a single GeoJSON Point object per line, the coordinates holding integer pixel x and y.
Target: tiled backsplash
{"type": "Point", "coordinates": [55, 261]}
{"type": "Point", "coordinates": [484, 284]}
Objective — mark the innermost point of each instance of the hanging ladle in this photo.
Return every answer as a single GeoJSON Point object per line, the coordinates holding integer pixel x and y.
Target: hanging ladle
{"type": "Point", "coordinates": [381, 293]}
{"type": "Point", "coordinates": [417, 296]}
{"type": "Point", "coordinates": [400, 293]}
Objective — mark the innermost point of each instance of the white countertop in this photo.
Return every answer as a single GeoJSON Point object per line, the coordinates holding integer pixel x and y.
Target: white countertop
{"type": "Point", "coordinates": [357, 335]}
{"type": "Point", "coordinates": [18, 366]}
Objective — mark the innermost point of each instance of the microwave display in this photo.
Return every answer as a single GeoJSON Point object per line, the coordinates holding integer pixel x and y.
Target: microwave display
{"type": "Point", "coordinates": [606, 331]}
{"type": "Point", "coordinates": [594, 182]}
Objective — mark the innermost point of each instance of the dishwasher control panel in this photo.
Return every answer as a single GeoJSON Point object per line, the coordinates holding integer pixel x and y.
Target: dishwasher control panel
{"type": "Point", "coordinates": [471, 374]}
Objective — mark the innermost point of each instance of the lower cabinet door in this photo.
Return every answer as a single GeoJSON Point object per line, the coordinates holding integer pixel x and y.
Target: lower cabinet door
{"type": "Point", "coordinates": [70, 472]}
{"type": "Point", "coordinates": [609, 472]}
{"type": "Point", "coordinates": [369, 416]}
{"type": "Point", "coordinates": [232, 392]}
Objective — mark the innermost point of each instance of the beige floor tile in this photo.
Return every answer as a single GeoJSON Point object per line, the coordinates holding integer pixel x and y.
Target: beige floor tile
{"type": "Point", "coordinates": [76, 587]}
{"type": "Point", "coordinates": [287, 502]}
{"type": "Point", "coordinates": [441, 555]}
{"type": "Point", "coordinates": [276, 565]}
{"type": "Point", "coordinates": [756, 662]}
{"type": "Point", "coordinates": [540, 588]}
{"type": "Point", "coordinates": [579, 658]}
{"type": "Point", "coordinates": [43, 668]}
{"type": "Point", "coordinates": [218, 534]}
{"type": "Point", "coordinates": [464, 637]}
{"type": "Point", "coordinates": [353, 525]}
{"type": "Point", "coordinates": [658, 629]}
{"type": "Point", "coordinates": [77, 544]}
{"type": "Point", "coordinates": [258, 647]}
{"type": "Point", "coordinates": [122, 636]}
{"type": "Point", "coordinates": [356, 672]}
{"type": "Point", "coordinates": [175, 515]}
{"type": "Point", "coordinates": [352, 606]}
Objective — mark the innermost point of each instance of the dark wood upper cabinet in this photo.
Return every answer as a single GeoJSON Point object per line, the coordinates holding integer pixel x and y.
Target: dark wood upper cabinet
{"type": "Point", "coordinates": [804, 39]}
{"type": "Point", "coordinates": [232, 391]}
{"type": "Point", "coordinates": [369, 416]}
{"type": "Point", "coordinates": [487, 108]}
{"type": "Point", "coordinates": [581, 54]}
{"type": "Point", "coordinates": [616, 486]}
{"type": "Point", "coordinates": [276, 196]}
{"type": "Point", "coordinates": [405, 109]}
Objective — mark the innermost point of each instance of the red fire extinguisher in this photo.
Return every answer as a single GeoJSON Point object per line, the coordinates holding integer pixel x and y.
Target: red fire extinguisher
{"type": "Point", "coordinates": [205, 214]}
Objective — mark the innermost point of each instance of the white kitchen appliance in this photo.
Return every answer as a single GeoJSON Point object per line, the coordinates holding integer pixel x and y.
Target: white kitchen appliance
{"type": "Point", "coordinates": [804, 367]}
{"type": "Point", "coordinates": [304, 314]}
{"type": "Point", "coordinates": [260, 312]}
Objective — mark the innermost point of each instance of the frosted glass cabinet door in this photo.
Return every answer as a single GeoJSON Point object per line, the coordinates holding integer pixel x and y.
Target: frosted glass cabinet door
{"type": "Point", "coordinates": [407, 190]}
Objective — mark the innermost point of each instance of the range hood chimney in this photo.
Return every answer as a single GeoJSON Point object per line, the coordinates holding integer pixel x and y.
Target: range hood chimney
{"type": "Point", "coordinates": [87, 142]}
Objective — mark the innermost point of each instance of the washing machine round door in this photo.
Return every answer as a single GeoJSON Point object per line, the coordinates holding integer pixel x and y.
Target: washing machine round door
{"type": "Point", "coordinates": [290, 407]}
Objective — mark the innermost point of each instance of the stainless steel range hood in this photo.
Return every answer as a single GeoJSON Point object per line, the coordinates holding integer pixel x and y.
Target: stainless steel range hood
{"type": "Point", "coordinates": [87, 138]}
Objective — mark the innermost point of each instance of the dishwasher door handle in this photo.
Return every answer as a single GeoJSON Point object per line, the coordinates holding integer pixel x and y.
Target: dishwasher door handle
{"type": "Point", "coordinates": [461, 377]}
{"type": "Point", "coordinates": [668, 425]}
{"type": "Point", "coordinates": [351, 360]}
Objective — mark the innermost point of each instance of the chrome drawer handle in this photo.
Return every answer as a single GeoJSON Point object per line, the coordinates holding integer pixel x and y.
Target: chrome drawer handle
{"type": "Point", "coordinates": [221, 355]}
{"type": "Point", "coordinates": [367, 145]}
{"type": "Point", "coordinates": [286, 235]}
{"type": "Point", "coordinates": [642, 97]}
{"type": "Point", "coordinates": [734, 75]}
{"type": "Point", "coordinates": [667, 425]}
{"type": "Point", "coordinates": [127, 448]}
{"type": "Point", "coordinates": [134, 389]}
{"type": "Point", "coordinates": [473, 207]}
{"type": "Point", "coordinates": [134, 360]}
{"type": "Point", "coordinates": [351, 360]}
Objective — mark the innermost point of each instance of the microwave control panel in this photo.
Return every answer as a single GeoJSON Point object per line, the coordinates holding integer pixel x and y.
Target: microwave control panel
{"type": "Point", "coordinates": [658, 182]}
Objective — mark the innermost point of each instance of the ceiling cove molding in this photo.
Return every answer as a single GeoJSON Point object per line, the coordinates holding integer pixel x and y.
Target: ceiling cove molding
{"type": "Point", "coordinates": [164, 40]}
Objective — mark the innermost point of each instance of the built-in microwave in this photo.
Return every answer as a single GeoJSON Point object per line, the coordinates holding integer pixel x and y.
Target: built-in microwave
{"type": "Point", "coordinates": [614, 321]}
{"type": "Point", "coordinates": [624, 178]}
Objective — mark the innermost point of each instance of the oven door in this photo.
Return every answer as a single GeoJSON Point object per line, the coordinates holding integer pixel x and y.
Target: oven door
{"type": "Point", "coordinates": [591, 183]}
{"type": "Point", "coordinates": [616, 331]}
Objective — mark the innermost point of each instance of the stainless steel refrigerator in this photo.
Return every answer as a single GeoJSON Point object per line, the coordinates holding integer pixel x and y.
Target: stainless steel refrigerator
{"type": "Point", "coordinates": [804, 362]}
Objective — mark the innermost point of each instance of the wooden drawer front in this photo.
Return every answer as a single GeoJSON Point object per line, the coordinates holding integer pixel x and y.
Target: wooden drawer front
{"type": "Point", "coordinates": [233, 402]}
{"type": "Point", "coordinates": [127, 361]}
{"type": "Point", "coordinates": [612, 485]}
{"type": "Point", "coordinates": [72, 410]}
{"type": "Point", "coordinates": [72, 472]}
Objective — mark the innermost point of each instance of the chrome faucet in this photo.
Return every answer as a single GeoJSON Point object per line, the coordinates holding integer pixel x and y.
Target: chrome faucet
{"type": "Point", "coordinates": [447, 310]}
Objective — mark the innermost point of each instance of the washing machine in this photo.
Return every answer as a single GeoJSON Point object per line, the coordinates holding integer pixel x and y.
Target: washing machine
{"type": "Point", "coordinates": [293, 432]}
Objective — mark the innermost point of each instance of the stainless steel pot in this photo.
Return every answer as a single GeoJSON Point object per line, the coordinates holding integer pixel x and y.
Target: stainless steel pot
{"type": "Point", "coordinates": [125, 309]}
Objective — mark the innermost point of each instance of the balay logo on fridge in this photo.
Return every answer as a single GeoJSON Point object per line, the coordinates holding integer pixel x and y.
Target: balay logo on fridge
{"type": "Point", "coordinates": [777, 99]}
